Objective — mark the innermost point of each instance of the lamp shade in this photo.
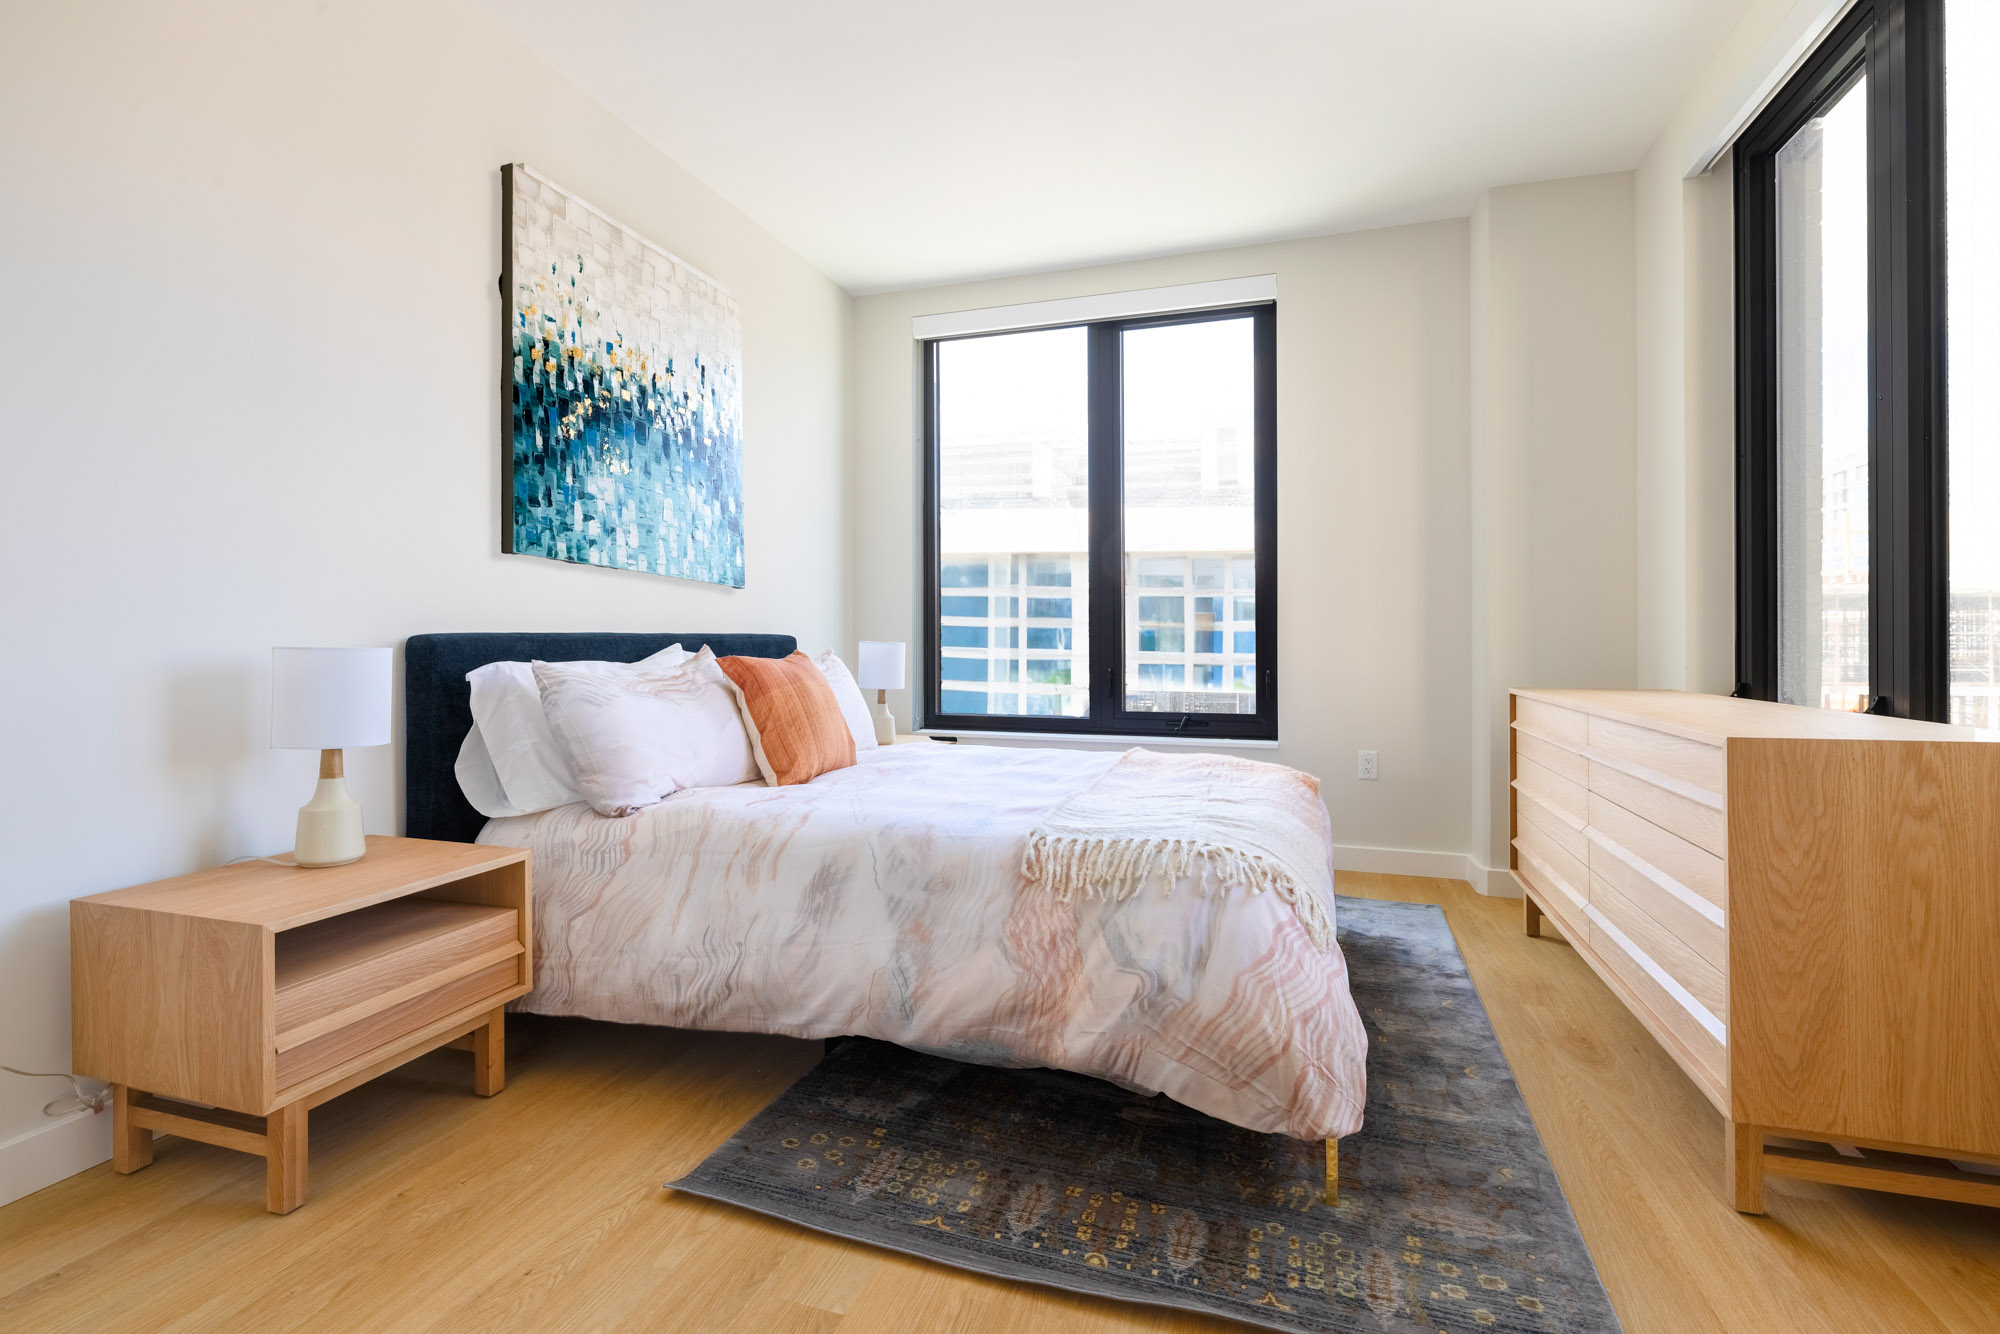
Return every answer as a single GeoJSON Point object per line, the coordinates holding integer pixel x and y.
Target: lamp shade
{"type": "Point", "coordinates": [329, 698]}
{"type": "Point", "coordinates": [881, 665]}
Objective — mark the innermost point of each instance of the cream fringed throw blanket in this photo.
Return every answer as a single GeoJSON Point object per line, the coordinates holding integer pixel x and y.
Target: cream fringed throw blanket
{"type": "Point", "coordinates": [1226, 820]}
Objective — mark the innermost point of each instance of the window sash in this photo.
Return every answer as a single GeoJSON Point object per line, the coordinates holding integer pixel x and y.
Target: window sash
{"type": "Point", "coordinates": [1106, 555]}
{"type": "Point", "coordinates": [1898, 45]}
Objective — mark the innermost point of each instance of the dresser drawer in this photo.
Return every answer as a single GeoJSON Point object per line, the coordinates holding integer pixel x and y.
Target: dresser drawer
{"type": "Point", "coordinates": [1698, 869]}
{"type": "Point", "coordinates": [1573, 872]}
{"type": "Point", "coordinates": [1698, 1044]}
{"type": "Point", "coordinates": [1675, 957]}
{"type": "Point", "coordinates": [1696, 763]}
{"type": "Point", "coordinates": [1692, 920]}
{"type": "Point", "coordinates": [1559, 760]}
{"type": "Point", "coordinates": [1567, 796]}
{"type": "Point", "coordinates": [1565, 727]}
{"type": "Point", "coordinates": [1679, 814]}
{"type": "Point", "coordinates": [1565, 905]}
{"type": "Point", "coordinates": [1568, 834]}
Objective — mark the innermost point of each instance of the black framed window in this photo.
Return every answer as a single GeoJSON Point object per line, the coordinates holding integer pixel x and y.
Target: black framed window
{"type": "Point", "coordinates": [1101, 529]}
{"type": "Point", "coordinates": [1846, 580]}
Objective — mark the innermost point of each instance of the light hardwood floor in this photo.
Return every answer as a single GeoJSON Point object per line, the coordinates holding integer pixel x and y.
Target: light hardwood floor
{"type": "Point", "coordinates": [541, 1209]}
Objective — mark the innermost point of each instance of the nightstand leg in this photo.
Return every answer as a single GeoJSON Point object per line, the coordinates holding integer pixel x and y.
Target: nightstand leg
{"type": "Point", "coordinates": [1531, 915]}
{"type": "Point", "coordinates": [285, 1159]}
{"type": "Point", "coordinates": [131, 1147]}
{"type": "Point", "coordinates": [489, 1055]}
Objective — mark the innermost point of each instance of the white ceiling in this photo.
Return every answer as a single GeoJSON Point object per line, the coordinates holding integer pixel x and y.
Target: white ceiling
{"type": "Point", "coordinates": [899, 143]}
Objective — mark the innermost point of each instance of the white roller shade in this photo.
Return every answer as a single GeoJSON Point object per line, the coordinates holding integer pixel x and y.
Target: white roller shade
{"type": "Point", "coordinates": [1106, 306]}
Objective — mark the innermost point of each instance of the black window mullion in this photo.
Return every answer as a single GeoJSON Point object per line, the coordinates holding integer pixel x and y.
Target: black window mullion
{"type": "Point", "coordinates": [1908, 542]}
{"type": "Point", "coordinates": [1107, 525]}
{"type": "Point", "coordinates": [932, 704]}
{"type": "Point", "coordinates": [1756, 425]}
{"type": "Point", "coordinates": [1265, 513]}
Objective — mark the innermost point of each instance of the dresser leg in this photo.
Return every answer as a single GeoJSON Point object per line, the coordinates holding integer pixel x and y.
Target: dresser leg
{"type": "Point", "coordinates": [1531, 915]}
{"type": "Point", "coordinates": [131, 1147]}
{"type": "Point", "coordinates": [285, 1158]}
{"type": "Point", "coordinates": [489, 1055]}
{"type": "Point", "coordinates": [1743, 1165]}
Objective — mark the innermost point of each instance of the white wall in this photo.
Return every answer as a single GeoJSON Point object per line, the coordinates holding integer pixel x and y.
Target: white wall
{"type": "Point", "coordinates": [1685, 516]}
{"type": "Point", "coordinates": [1373, 545]}
{"type": "Point", "coordinates": [1553, 417]}
{"type": "Point", "coordinates": [1456, 435]}
{"type": "Point", "coordinates": [251, 388]}
{"type": "Point", "coordinates": [1371, 509]}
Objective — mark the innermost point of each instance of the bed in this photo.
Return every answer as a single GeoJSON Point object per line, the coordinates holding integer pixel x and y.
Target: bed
{"type": "Point", "coordinates": [887, 901]}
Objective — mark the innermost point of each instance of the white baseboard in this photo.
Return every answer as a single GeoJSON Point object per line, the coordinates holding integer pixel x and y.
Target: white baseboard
{"type": "Point", "coordinates": [1431, 865]}
{"type": "Point", "coordinates": [1400, 861]}
{"type": "Point", "coordinates": [45, 1155]}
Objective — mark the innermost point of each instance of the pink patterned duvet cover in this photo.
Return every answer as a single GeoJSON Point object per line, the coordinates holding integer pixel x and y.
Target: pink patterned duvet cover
{"type": "Point", "coordinates": [886, 900]}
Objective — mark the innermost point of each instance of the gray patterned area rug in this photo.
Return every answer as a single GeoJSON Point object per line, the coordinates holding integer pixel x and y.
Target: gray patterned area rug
{"type": "Point", "coordinates": [1450, 1217]}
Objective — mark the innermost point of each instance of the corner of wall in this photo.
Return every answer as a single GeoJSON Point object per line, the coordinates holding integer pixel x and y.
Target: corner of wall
{"type": "Point", "coordinates": [1553, 457]}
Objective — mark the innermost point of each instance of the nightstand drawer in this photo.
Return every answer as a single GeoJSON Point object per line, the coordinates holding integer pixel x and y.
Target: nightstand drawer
{"type": "Point", "coordinates": [483, 990]}
{"type": "Point", "coordinates": [336, 972]}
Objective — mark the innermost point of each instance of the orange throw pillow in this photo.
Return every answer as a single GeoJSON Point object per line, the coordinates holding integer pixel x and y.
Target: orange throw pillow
{"type": "Point", "coordinates": [797, 730]}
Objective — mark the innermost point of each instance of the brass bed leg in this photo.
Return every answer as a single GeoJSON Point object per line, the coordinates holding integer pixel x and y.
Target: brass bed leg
{"type": "Point", "coordinates": [1332, 1172]}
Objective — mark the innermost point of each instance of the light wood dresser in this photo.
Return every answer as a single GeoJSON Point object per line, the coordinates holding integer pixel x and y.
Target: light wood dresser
{"type": "Point", "coordinates": [1803, 906]}
{"type": "Point", "coordinates": [223, 1005]}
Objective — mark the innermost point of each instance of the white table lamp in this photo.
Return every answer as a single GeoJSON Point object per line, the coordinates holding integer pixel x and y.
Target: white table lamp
{"type": "Point", "coordinates": [327, 699]}
{"type": "Point", "coordinates": [881, 670]}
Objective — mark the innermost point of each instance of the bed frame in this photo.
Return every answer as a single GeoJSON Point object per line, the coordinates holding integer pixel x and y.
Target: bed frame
{"type": "Point", "coordinates": [437, 713]}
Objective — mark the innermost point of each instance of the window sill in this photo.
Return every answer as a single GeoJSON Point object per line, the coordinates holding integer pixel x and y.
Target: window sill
{"type": "Point", "coordinates": [1103, 739]}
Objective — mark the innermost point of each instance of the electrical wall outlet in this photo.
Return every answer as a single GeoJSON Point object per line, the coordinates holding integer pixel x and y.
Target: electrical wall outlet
{"type": "Point", "coordinates": [1364, 767]}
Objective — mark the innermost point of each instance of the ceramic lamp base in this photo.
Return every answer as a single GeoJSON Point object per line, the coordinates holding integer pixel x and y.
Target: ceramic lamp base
{"type": "Point", "coordinates": [330, 824]}
{"type": "Point", "coordinates": [885, 722]}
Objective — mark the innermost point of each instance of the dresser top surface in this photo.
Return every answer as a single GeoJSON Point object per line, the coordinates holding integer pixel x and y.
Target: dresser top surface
{"type": "Point", "coordinates": [1717, 718]}
{"type": "Point", "coordinates": [259, 893]}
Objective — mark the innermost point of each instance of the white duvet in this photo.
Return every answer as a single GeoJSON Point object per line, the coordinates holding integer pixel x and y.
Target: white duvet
{"type": "Point", "coordinates": [886, 900]}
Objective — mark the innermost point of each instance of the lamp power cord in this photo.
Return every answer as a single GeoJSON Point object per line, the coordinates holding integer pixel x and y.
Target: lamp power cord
{"type": "Point", "coordinates": [78, 1099]}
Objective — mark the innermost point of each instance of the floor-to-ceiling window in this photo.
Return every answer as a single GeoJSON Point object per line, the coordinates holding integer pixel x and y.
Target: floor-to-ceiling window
{"type": "Point", "coordinates": [1868, 399]}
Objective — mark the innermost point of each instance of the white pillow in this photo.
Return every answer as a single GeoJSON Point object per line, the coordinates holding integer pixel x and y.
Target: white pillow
{"type": "Point", "coordinates": [853, 704]}
{"type": "Point", "coordinates": [529, 767]}
{"type": "Point", "coordinates": [478, 780]}
{"type": "Point", "coordinates": [637, 737]}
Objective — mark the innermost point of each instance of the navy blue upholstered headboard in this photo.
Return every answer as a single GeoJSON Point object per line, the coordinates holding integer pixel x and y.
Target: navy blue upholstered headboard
{"type": "Point", "coordinates": [437, 704]}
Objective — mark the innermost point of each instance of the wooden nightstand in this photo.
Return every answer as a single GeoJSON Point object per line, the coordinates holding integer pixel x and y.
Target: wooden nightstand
{"type": "Point", "coordinates": [263, 991]}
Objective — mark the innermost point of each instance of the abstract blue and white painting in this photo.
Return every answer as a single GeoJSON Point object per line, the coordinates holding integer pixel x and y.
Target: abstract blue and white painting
{"type": "Point", "coordinates": [624, 396]}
